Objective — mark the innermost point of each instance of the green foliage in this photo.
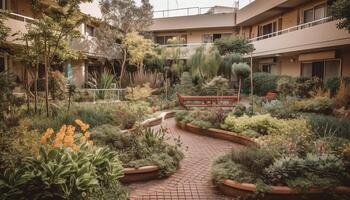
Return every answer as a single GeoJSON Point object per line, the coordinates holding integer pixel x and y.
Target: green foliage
{"type": "Point", "coordinates": [8, 102]}
{"type": "Point", "coordinates": [232, 45]}
{"type": "Point", "coordinates": [241, 70]}
{"type": "Point", "coordinates": [281, 109]}
{"type": "Point", "coordinates": [205, 119]}
{"type": "Point", "coordinates": [239, 110]}
{"type": "Point", "coordinates": [141, 148]}
{"type": "Point", "coordinates": [315, 105]}
{"type": "Point", "coordinates": [306, 86]}
{"type": "Point", "coordinates": [340, 9]}
{"type": "Point", "coordinates": [262, 124]}
{"type": "Point", "coordinates": [286, 86]}
{"type": "Point", "coordinates": [262, 83]}
{"type": "Point", "coordinates": [333, 84]}
{"type": "Point", "coordinates": [4, 30]}
{"type": "Point", "coordinates": [227, 62]}
{"type": "Point", "coordinates": [205, 64]}
{"type": "Point", "coordinates": [62, 173]}
{"type": "Point", "coordinates": [218, 84]}
{"type": "Point", "coordinates": [186, 85]}
{"type": "Point", "coordinates": [322, 171]}
{"type": "Point", "coordinates": [124, 115]}
{"type": "Point", "coordinates": [323, 125]}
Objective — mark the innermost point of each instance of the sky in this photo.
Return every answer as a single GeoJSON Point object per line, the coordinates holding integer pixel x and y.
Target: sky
{"type": "Point", "coordinates": [94, 10]}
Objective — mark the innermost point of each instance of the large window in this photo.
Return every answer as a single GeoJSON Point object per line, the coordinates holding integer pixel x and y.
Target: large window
{"type": "Point", "coordinates": [163, 40]}
{"type": "Point", "coordinates": [323, 69]}
{"type": "Point", "coordinates": [315, 13]}
{"type": "Point", "coordinates": [267, 29]}
{"type": "Point", "coordinates": [211, 37]}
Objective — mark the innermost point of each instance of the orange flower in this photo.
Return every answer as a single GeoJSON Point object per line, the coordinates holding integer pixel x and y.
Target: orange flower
{"type": "Point", "coordinates": [69, 141]}
{"type": "Point", "coordinates": [87, 135]}
{"type": "Point", "coordinates": [46, 135]}
{"type": "Point", "coordinates": [91, 142]}
{"type": "Point", "coordinates": [84, 127]}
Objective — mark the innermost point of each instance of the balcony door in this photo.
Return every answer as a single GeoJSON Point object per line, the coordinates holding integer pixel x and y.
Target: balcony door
{"type": "Point", "coordinates": [267, 29]}
{"type": "Point", "coordinates": [322, 69]}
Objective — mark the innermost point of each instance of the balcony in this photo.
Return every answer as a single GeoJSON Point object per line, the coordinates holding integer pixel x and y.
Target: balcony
{"type": "Point", "coordinates": [91, 47]}
{"type": "Point", "coordinates": [318, 34]}
{"type": "Point", "coordinates": [17, 23]}
{"type": "Point", "coordinates": [193, 18]}
{"type": "Point", "coordinates": [185, 50]}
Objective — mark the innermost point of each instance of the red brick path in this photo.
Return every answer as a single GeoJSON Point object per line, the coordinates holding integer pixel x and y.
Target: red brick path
{"type": "Point", "coordinates": [192, 180]}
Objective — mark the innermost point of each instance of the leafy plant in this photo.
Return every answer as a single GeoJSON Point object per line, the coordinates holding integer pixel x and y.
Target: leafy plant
{"type": "Point", "coordinates": [242, 71]}
{"type": "Point", "coordinates": [315, 105]}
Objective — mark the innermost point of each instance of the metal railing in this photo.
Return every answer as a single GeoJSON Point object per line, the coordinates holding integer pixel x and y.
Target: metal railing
{"type": "Point", "coordinates": [181, 12]}
{"type": "Point", "coordinates": [21, 18]}
{"type": "Point", "coordinates": [292, 29]}
{"type": "Point", "coordinates": [187, 49]}
{"type": "Point", "coordinates": [106, 95]}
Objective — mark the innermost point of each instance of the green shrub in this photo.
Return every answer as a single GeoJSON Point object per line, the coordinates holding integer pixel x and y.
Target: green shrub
{"type": "Point", "coordinates": [124, 115]}
{"type": "Point", "coordinates": [181, 115]}
{"type": "Point", "coordinates": [304, 86]}
{"type": "Point", "coordinates": [280, 109]}
{"type": "Point", "coordinates": [140, 148]}
{"type": "Point", "coordinates": [210, 118]}
{"type": "Point", "coordinates": [63, 173]}
{"type": "Point", "coordinates": [286, 86]}
{"type": "Point", "coordinates": [239, 110]}
{"type": "Point", "coordinates": [202, 124]}
{"type": "Point", "coordinates": [324, 125]}
{"type": "Point", "coordinates": [332, 84]}
{"type": "Point", "coordinates": [322, 171]}
{"type": "Point", "coordinates": [315, 105]}
{"type": "Point", "coordinates": [262, 124]}
{"type": "Point", "coordinates": [262, 83]}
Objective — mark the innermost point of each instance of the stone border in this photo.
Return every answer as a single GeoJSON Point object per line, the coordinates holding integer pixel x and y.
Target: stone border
{"type": "Point", "coordinates": [218, 133]}
{"type": "Point", "coordinates": [145, 173]}
{"type": "Point", "coordinates": [233, 188]}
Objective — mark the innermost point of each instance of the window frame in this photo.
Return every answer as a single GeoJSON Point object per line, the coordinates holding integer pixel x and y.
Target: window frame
{"type": "Point", "coordinates": [324, 66]}
{"type": "Point", "coordinates": [312, 7]}
{"type": "Point", "coordinates": [92, 29]}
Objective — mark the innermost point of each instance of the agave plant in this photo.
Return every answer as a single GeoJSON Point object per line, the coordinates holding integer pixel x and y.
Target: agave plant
{"type": "Point", "coordinates": [104, 81]}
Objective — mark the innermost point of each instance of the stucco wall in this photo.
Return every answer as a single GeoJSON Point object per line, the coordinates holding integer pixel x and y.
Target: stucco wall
{"type": "Point", "coordinates": [78, 68]}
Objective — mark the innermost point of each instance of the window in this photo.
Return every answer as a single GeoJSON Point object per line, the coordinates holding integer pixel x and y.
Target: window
{"type": "Point", "coordinates": [266, 68]}
{"type": "Point", "coordinates": [267, 29]}
{"type": "Point", "coordinates": [207, 38]}
{"type": "Point", "coordinates": [315, 13]}
{"type": "Point", "coordinates": [322, 69]}
{"type": "Point", "coordinates": [89, 30]}
{"type": "Point", "coordinates": [2, 64]}
{"type": "Point", "coordinates": [163, 40]}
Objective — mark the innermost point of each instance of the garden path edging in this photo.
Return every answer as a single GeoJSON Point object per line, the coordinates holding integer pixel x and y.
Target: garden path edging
{"type": "Point", "coordinates": [150, 172]}
{"type": "Point", "coordinates": [218, 133]}
{"type": "Point", "coordinates": [233, 188]}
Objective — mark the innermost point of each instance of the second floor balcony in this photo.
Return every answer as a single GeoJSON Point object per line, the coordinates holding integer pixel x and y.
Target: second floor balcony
{"type": "Point", "coordinates": [317, 34]}
{"type": "Point", "coordinates": [184, 51]}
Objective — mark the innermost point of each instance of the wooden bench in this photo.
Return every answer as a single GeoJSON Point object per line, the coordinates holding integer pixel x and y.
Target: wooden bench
{"type": "Point", "coordinates": [206, 101]}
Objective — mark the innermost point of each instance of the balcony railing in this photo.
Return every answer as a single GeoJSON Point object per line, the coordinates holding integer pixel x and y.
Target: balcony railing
{"type": "Point", "coordinates": [188, 49]}
{"type": "Point", "coordinates": [181, 12]}
{"type": "Point", "coordinates": [21, 18]}
{"type": "Point", "coordinates": [292, 29]}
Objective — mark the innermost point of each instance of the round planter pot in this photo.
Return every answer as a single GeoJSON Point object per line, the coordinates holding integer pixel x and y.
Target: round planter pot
{"type": "Point", "coordinates": [218, 133]}
{"type": "Point", "coordinates": [140, 174]}
{"type": "Point", "coordinates": [232, 188]}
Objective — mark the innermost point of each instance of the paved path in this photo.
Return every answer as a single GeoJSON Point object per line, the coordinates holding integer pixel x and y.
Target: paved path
{"type": "Point", "coordinates": [192, 180]}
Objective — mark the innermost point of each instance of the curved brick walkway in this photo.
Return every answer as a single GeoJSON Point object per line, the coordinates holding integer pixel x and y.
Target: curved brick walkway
{"type": "Point", "coordinates": [192, 180]}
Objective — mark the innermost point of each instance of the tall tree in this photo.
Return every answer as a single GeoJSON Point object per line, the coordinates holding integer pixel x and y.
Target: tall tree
{"type": "Point", "coordinates": [340, 9]}
{"type": "Point", "coordinates": [232, 45]}
{"type": "Point", "coordinates": [56, 26]}
{"type": "Point", "coordinates": [120, 18]}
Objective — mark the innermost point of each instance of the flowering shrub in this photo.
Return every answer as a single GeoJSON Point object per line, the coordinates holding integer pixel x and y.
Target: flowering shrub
{"type": "Point", "coordinates": [263, 124]}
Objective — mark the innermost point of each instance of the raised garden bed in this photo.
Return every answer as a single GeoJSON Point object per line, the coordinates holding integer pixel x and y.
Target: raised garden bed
{"type": "Point", "coordinates": [150, 172]}
{"type": "Point", "coordinates": [232, 188]}
{"type": "Point", "coordinates": [218, 133]}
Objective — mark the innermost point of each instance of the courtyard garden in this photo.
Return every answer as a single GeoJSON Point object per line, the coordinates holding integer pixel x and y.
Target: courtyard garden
{"type": "Point", "coordinates": [155, 125]}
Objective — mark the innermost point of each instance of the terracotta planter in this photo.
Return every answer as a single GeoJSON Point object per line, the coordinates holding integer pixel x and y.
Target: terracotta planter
{"type": "Point", "coordinates": [144, 173]}
{"type": "Point", "coordinates": [232, 188]}
{"type": "Point", "coordinates": [218, 133]}
{"type": "Point", "coordinates": [140, 174]}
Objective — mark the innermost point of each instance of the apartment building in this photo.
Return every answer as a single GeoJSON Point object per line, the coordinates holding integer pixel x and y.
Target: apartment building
{"type": "Point", "coordinates": [193, 26]}
{"type": "Point", "coordinates": [291, 37]}
{"type": "Point", "coordinates": [21, 14]}
{"type": "Point", "coordinates": [296, 38]}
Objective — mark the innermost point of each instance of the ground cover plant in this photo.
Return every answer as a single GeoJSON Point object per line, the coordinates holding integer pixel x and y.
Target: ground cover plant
{"type": "Point", "coordinates": [142, 147]}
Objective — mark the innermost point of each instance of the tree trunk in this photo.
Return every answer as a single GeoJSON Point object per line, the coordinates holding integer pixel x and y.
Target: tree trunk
{"type": "Point", "coordinates": [46, 81]}
{"type": "Point", "coordinates": [27, 90]}
{"type": "Point", "coordinates": [36, 88]}
{"type": "Point", "coordinates": [239, 90]}
{"type": "Point", "coordinates": [122, 68]}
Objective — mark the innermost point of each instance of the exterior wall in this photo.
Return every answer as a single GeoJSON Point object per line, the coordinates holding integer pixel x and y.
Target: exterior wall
{"type": "Point", "coordinates": [345, 55]}
{"type": "Point", "coordinates": [78, 68]}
